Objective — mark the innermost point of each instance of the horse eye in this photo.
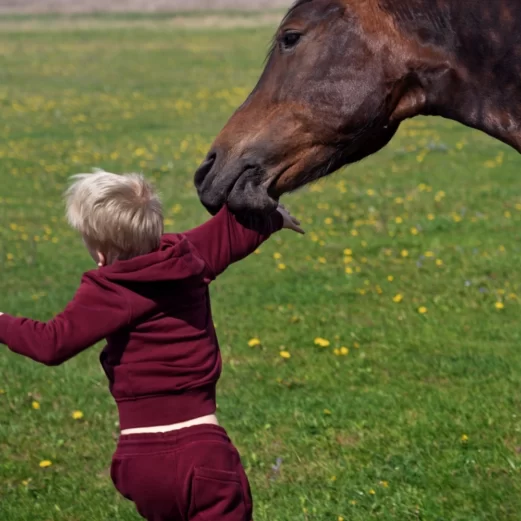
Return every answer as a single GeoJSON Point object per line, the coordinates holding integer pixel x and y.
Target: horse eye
{"type": "Point", "coordinates": [290, 40]}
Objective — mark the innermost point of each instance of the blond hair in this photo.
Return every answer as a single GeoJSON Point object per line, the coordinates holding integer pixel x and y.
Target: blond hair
{"type": "Point", "coordinates": [119, 215]}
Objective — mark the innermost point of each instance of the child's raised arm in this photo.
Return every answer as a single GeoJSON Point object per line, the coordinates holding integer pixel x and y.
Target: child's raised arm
{"type": "Point", "coordinates": [223, 240]}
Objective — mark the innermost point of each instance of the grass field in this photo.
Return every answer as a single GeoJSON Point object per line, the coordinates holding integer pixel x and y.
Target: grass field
{"type": "Point", "coordinates": [399, 310]}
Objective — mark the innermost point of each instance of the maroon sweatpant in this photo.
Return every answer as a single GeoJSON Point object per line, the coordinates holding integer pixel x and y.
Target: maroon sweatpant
{"type": "Point", "coordinates": [193, 474]}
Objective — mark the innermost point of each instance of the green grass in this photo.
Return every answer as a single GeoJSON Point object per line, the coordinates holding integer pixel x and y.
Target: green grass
{"type": "Point", "coordinates": [420, 421]}
{"type": "Point", "coordinates": [129, 15]}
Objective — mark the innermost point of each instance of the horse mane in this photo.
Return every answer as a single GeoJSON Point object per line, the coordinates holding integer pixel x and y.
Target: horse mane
{"type": "Point", "coordinates": [428, 20]}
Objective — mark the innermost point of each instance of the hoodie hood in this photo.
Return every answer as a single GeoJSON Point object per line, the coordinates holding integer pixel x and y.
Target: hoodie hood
{"type": "Point", "coordinates": [175, 260]}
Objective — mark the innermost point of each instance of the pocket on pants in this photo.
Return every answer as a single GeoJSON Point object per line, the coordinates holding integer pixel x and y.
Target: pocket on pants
{"type": "Point", "coordinates": [217, 495]}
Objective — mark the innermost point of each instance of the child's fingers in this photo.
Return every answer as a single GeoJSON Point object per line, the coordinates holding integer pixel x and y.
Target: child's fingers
{"type": "Point", "coordinates": [298, 229]}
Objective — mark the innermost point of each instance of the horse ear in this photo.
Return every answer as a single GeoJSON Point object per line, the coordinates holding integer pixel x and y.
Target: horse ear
{"type": "Point", "coordinates": [410, 104]}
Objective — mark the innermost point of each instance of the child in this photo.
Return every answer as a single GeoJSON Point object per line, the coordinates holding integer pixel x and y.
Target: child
{"type": "Point", "coordinates": [150, 300]}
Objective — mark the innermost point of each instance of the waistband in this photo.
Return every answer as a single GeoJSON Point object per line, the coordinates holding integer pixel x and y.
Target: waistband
{"type": "Point", "coordinates": [211, 419]}
{"type": "Point", "coordinates": [133, 444]}
{"type": "Point", "coordinates": [166, 409]}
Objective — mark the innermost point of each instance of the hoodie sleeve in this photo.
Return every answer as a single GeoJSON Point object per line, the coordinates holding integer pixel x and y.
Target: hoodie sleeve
{"type": "Point", "coordinates": [93, 314]}
{"type": "Point", "coordinates": [224, 240]}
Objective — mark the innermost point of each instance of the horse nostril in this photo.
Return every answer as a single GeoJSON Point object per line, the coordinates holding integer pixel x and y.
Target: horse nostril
{"type": "Point", "coordinates": [204, 170]}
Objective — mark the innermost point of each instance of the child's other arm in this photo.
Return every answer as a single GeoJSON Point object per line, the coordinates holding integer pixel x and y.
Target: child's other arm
{"type": "Point", "coordinates": [224, 239]}
{"type": "Point", "coordinates": [91, 316]}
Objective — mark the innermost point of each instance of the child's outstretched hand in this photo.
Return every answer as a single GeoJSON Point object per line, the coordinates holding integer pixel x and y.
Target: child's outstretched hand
{"type": "Point", "coordinates": [290, 222]}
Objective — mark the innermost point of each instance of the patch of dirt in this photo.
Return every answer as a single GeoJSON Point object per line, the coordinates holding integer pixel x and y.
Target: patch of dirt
{"type": "Point", "coordinates": [125, 6]}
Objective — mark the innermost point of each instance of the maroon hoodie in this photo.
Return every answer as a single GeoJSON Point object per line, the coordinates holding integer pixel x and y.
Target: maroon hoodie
{"type": "Point", "coordinates": [162, 357]}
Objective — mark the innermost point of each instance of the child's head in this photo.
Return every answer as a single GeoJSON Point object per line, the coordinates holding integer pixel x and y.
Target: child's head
{"type": "Point", "coordinates": [119, 216]}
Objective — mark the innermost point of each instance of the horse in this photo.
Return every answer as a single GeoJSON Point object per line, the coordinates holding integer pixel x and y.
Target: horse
{"type": "Point", "coordinates": [342, 75]}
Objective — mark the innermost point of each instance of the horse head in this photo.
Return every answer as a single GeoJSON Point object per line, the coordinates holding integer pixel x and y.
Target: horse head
{"type": "Point", "coordinates": [343, 74]}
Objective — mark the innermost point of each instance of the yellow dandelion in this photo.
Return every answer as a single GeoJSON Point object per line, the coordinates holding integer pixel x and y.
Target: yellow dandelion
{"type": "Point", "coordinates": [336, 351]}
{"type": "Point", "coordinates": [344, 351]}
{"type": "Point", "coordinates": [328, 221]}
{"type": "Point", "coordinates": [277, 255]}
{"type": "Point", "coordinates": [36, 405]}
{"type": "Point", "coordinates": [322, 342]}
{"type": "Point", "coordinates": [398, 298]}
{"type": "Point", "coordinates": [500, 305]}
{"type": "Point", "coordinates": [464, 438]}
{"type": "Point", "coordinates": [372, 492]}
{"type": "Point", "coordinates": [327, 412]}
{"type": "Point", "coordinates": [340, 518]}
{"type": "Point", "coordinates": [390, 278]}
{"type": "Point", "coordinates": [398, 220]}
{"type": "Point", "coordinates": [257, 251]}
{"type": "Point", "coordinates": [422, 310]}
{"type": "Point", "coordinates": [414, 231]}
{"type": "Point", "coordinates": [429, 254]}
{"type": "Point", "coordinates": [281, 266]}
{"type": "Point", "coordinates": [77, 415]}
{"type": "Point", "coordinates": [353, 502]}
{"type": "Point", "coordinates": [254, 342]}
{"type": "Point", "coordinates": [322, 260]}
{"type": "Point", "coordinates": [431, 217]}
{"type": "Point", "coordinates": [285, 354]}
{"type": "Point", "coordinates": [354, 233]}
{"type": "Point", "coordinates": [456, 218]}
{"type": "Point", "coordinates": [45, 463]}
{"type": "Point", "coordinates": [349, 270]}
{"type": "Point", "coordinates": [348, 252]}
{"type": "Point", "coordinates": [439, 262]}
{"type": "Point", "coordinates": [384, 484]}
{"type": "Point", "coordinates": [356, 345]}
{"type": "Point", "coordinates": [404, 253]}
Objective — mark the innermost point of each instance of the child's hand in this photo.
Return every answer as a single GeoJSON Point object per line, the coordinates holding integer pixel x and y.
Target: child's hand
{"type": "Point", "coordinates": [290, 223]}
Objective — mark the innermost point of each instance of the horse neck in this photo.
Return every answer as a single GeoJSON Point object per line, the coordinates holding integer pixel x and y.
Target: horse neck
{"type": "Point", "coordinates": [482, 42]}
